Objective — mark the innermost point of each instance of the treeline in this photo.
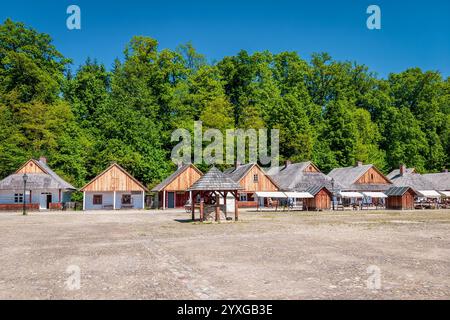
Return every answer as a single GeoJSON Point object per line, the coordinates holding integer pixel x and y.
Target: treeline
{"type": "Point", "coordinates": [328, 111]}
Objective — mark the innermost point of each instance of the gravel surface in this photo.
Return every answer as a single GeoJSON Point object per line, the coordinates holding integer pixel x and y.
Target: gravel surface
{"type": "Point", "coordinates": [162, 255]}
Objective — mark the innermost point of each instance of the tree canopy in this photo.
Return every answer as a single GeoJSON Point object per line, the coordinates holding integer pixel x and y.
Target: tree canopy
{"type": "Point", "coordinates": [331, 112]}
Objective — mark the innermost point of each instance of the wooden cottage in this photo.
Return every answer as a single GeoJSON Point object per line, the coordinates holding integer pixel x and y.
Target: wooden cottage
{"type": "Point", "coordinates": [252, 179]}
{"type": "Point", "coordinates": [400, 198]}
{"type": "Point", "coordinates": [172, 191]}
{"type": "Point", "coordinates": [114, 189]}
{"type": "Point", "coordinates": [44, 189]}
{"type": "Point", "coordinates": [305, 177]}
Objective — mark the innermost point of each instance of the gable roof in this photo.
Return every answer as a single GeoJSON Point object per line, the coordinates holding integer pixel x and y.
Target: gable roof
{"type": "Point", "coordinates": [396, 172]}
{"type": "Point", "coordinates": [48, 179]}
{"type": "Point", "coordinates": [215, 180]}
{"type": "Point", "coordinates": [293, 177]}
{"type": "Point", "coordinates": [440, 180]}
{"type": "Point", "coordinates": [397, 191]}
{"type": "Point", "coordinates": [414, 180]}
{"type": "Point", "coordinates": [122, 170]}
{"type": "Point", "coordinates": [237, 174]}
{"type": "Point", "coordinates": [163, 184]}
{"type": "Point", "coordinates": [348, 177]}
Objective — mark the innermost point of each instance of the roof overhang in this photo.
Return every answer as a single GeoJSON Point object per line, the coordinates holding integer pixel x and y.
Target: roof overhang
{"type": "Point", "coordinates": [349, 194]}
{"type": "Point", "coordinates": [375, 194]}
{"type": "Point", "coordinates": [429, 193]}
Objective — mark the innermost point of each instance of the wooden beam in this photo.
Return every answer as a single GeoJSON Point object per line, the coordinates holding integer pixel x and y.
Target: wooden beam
{"type": "Point", "coordinates": [193, 205]}
{"type": "Point", "coordinates": [236, 209]}
{"type": "Point", "coordinates": [217, 208]}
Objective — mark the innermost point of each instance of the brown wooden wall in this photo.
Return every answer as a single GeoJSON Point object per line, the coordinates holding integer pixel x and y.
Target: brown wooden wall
{"type": "Point", "coordinates": [310, 168]}
{"type": "Point", "coordinates": [113, 179]}
{"type": "Point", "coordinates": [321, 201]}
{"type": "Point", "coordinates": [184, 181]}
{"type": "Point", "coordinates": [372, 176]}
{"type": "Point", "coordinates": [263, 184]}
{"type": "Point", "coordinates": [29, 167]}
{"type": "Point", "coordinates": [405, 202]}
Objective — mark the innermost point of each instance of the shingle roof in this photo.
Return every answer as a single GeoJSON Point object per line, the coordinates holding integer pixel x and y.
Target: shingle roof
{"type": "Point", "coordinates": [397, 191]}
{"type": "Point", "coordinates": [215, 180]}
{"type": "Point", "coordinates": [293, 177]}
{"type": "Point", "coordinates": [348, 176]}
{"type": "Point", "coordinates": [396, 172]}
{"type": "Point", "coordinates": [35, 181]}
{"type": "Point", "coordinates": [440, 180]}
{"type": "Point", "coordinates": [414, 180]}
{"type": "Point", "coordinates": [173, 176]}
{"type": "Point", "coordinates": [238, 173]}
{"type": "Point", "coordinates": [47, 180]}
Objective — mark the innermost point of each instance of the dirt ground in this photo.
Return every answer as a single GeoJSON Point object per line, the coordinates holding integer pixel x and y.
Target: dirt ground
{"type": "Point", "coordinates": [162, 255]}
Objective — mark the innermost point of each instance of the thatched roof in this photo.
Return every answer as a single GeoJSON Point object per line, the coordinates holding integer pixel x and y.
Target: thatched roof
{"type": "Point", "coordinates": [294, 178]}
{"type": "Point", "coordinates": [36, 181]}
{"type": "Point", "coordinates": [215, 180]}
{"type": "Point", "coordinates": [173, 176]}
{"type": "Point", "coordinates": [440, 180]}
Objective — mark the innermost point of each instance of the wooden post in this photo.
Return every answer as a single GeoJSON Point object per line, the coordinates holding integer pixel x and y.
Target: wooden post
{"type": "Point", "coordinates": [225, 204]}
{"type": "Point", "coordinates": [84, 200]}
{"type": "Point", "coordinates": [217, 208]}
{"type": "Point", "coordinates": [114, 200]}
{"type": "Point", "coordinates": [164, 200]}
{"type": "Point", "coordinates": [202, 206]}
{"type": "Point", "coordinates": [192, 206]}
{"type": "Point", "coordinates": [236, 207]}
{"type": "Point", "coordinates": [143, 199]}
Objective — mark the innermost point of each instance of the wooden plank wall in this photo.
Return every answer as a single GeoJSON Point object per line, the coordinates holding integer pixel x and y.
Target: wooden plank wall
{"type": "Point", "coordinates": [184, 181]}
{"type": "Point", "coordinates": [263, 184]}
{"type": "Point", "coordinates": [372, 176]}
{"type": "Point", "coordinates": [113, 180]}
{"type": "Point", "coordinates": [29, 167]}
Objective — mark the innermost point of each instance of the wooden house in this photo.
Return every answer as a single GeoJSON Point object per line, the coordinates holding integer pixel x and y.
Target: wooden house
{"type": "Point", "coordinates": [114, 189]}
{"type": "Point", "coordinates": [361, 178]}
{"type": "Point", "coordinates": [305, 177]}
{"type": "Point", "coordinates": [172, 191]}
{"type": "Point", "coordinates": [252, 178]}
{"type": "Point", "coordinates": [364, 180]}
{"type": "Point", "coordinates": [400, 198]}
{"type": "Point", "coordinates": [44, 189]}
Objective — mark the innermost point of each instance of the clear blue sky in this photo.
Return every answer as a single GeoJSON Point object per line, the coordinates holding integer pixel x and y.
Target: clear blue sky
{"type": "Point", "coordinates": [414, 33]}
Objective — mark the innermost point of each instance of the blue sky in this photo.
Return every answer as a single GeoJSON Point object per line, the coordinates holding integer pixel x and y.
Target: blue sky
{"type": "Point", "coordinates": [414, 33]}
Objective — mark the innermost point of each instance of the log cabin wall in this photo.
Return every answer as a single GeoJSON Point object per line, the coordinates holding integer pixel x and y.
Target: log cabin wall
{"type": "Point", "coordinates": [372, 176]}
{"type": "Point", "coordinates": [113, 179]}
{"type": "Point", "coordinates": [321, 201]}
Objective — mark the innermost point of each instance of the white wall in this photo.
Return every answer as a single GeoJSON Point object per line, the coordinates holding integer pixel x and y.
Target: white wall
{"type": "Point", "coordinates": [108, 199]}
{"type": "Point", "coordinates": [7, 197]}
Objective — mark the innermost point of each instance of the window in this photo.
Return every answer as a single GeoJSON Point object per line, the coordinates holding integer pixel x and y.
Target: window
{"type": "Point", "coordinates": [97, 199]}
{"type": "Point", "coordinates": [255, 178]}
{"type": "Point", "coordinates": [243, 197]}
{"type": "Point", "coordinates": [126, 199]}
{"type": "Point", "coordinates": [18, 198]}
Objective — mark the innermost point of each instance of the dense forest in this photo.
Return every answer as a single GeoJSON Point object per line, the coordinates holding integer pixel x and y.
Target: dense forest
{"type": "Point", "coordinates": [328, 111]}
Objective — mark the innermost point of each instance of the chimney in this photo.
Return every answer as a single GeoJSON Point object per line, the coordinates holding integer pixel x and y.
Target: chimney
{"type": "Point", "coordinates": [237, 164]}
{"type": "Point", "coordinates": [287, 163]}
{"type": "Point", "coordinates": [358, 164]}
{"type": "Point", "coordinates": [402, 169]}
{"type": "Point", "coordinates": [43, 159]}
